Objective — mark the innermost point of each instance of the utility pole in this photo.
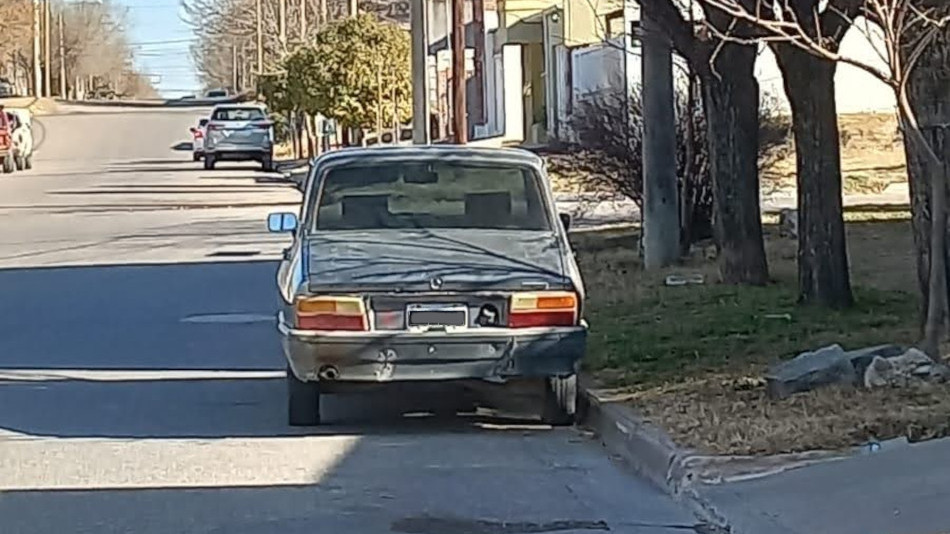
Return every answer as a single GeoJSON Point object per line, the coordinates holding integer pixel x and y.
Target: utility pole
{"type": "Point", "coordinates": [235, 86]}
{"type": "Point", "coordinates": [459, 119]}
{"type": "Point", "coordinates": [353, 8]}
{"type": "Point", "coordinates": [661, 218]}
{"type": "Point", "coordinates": [282, 16]}
{"type": "Point", "coordinates": [420, 73]}
{"type": "Point", "coordinates": [260, 39]}
{"type": "Point", "coordinates": [37, 45]}
{"type": "Point", "coordinates": [323, 13]}
{"type": "Point", "coordinates": [303, 21]}
{"type": "Point", "coordinates": [478, 29]}
{"type": "Point", "coordinates": [47, 63]}
{"type": "Point", "coordinates": [62, 57]}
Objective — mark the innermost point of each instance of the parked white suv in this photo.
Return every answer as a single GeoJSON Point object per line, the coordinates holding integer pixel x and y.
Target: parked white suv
{"type": "Point", "coordinates": [239, 132]}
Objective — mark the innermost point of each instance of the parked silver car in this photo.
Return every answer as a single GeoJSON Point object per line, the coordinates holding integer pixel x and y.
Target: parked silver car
{"type": "Point", "coordinates": [239, 132]}
{"type": "Point", "coordinates": [429, 263]}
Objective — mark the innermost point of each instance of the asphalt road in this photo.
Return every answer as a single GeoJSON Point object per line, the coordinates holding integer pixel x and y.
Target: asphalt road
{"type": "Point", "coordinates": [141, 388]}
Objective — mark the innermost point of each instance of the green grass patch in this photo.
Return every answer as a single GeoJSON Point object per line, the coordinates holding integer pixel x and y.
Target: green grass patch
{"type": "Point", "coordinates": [668, 334]}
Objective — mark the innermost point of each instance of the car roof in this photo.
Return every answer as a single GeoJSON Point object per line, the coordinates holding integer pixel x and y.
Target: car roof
{"type": "Point", "coordinates": [431, 152]}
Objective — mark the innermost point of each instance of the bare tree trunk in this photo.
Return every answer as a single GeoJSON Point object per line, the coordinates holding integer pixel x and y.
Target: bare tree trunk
{"type": "Point", "coordinates": [731, 101]}
{"type": "Point", "coordinates": [688, 200]}
{"type": "Point", "coordinates": [927, 163]}
{"type": "Point", "coordinates": [823, 275]}
{"type": "Point", "coordinates": [311, 136]}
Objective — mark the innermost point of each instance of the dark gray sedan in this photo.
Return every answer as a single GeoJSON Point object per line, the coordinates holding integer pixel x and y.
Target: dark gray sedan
{"type": "Point", "coordinates": [429, 263]}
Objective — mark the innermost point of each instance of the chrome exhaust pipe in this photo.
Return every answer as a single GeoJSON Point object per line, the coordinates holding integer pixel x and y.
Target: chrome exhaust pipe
{"type": "Point", "coordinates": [329, 373]}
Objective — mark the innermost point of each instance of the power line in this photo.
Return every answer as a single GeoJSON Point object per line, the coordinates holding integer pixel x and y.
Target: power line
{"type": "Point", "coordinates": [169, 41]}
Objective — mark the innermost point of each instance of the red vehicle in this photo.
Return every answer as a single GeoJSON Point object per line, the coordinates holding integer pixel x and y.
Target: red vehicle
{"type": "Point", "coordinates": [6, 143]}
{"type": "Point", "coordinates": [198, 140]}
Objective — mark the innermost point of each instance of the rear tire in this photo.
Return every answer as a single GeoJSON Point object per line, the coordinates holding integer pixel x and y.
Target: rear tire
{"type": "Point", "coordinates": [8, 164]}
{"type": "Point", "coordinates": [303, 401]}
{"type": "Point", "coordinates": [209, 162]}
{"type": "Point", "coordinates": [267, 164]}
{"type": "Point", "coordinates": [196, 157]}
{"type": "Point", "coordinates": [28, 162]}
{"type": "Point", "coordinates": [560, 401]}
{"type": "Point", "coordinates": [20, 163]}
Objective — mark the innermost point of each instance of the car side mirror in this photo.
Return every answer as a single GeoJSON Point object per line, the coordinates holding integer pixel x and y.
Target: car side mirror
{"type": "Point", "coordinates": [565, 220]}
{"type": "Point", "coordinates": [281, 223]}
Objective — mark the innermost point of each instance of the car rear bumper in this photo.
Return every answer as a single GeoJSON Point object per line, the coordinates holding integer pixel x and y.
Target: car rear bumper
{"type": "Point", "coordinates": [238, 152]}
{"type": "Point", "coordinates": [402, 356]}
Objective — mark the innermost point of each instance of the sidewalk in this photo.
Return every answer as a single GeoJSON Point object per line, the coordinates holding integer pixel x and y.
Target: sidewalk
{"type": "Point", "coordinates": [904, 490]}
{"type": "Point", "coordinates": [898, 489]}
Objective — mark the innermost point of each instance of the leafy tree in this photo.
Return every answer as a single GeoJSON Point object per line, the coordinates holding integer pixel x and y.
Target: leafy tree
{"type": "Point", "coordinates": [356, 72]}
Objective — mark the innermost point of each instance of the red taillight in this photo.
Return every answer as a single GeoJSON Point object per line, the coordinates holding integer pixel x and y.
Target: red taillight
{"type": "Point", "coordinates": [531, 319]}
{"type": "Point", "coordinates": [332, 322]}
{"type": "Point", "coordinates": [331, 313]}
{"type": "Point", "coordinates": [199, 135]}
{"type": "Point", "coordinates": [555, 308]}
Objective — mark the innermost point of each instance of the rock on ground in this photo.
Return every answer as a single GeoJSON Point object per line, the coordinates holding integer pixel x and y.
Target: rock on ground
{"type": "Point", "coordinates": [827, 365]}
{"type": "Point", "coordinates": [901, 371]}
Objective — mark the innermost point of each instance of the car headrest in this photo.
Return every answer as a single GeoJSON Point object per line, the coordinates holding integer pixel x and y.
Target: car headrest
{"type": "Point", "coordinates": [488, 207]}
{"type": "Point", "coordinates": [364, 210]}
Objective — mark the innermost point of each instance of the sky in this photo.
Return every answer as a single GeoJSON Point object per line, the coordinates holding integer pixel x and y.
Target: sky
{"type": "Point", "coordinates": [161, 43]}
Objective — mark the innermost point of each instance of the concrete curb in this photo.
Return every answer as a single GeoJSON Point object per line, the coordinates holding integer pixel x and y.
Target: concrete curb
{"type": "Point", "coordinates": [644, 446]}
{"type": "Point", "coordinates": [647, 449]}
{"type": "Point", "coordinates": [677, 471]}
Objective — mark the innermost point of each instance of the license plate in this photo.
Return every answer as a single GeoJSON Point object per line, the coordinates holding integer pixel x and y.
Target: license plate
{"type": "Point", "coordinates": [436, 315]}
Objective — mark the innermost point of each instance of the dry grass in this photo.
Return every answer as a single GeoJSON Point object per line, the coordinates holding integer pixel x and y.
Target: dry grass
{"type": "Point", "coordinates": [689, 357]}
{"type": "Point", "coordinates": [284, 151]}
{"type": "Point", "coordinates": [583, 171]}
{"type": "Point", "coordinates": [872, 155]}
{"type": "Point", "coordinates": [729, 415]}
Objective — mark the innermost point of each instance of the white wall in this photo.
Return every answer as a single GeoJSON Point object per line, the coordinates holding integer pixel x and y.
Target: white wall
{"type": "Point", "coordinates": [504, 96]}
{"type": "Point", "coordinates": [597, 68]}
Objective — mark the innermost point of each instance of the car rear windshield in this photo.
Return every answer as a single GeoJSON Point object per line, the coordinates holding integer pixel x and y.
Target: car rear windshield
{"type": "Point", "coordinates": [431, 195]}
{"type": "Point", "coordinates": [238, 114]}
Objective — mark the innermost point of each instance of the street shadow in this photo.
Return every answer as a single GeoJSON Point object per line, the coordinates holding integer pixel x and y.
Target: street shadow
{"type": "Point", "coordinates": [143, 169]}
{"type": "Point", "coordinates": [506, 481]}
{"type": "Point", "coordinates": [126, 207]}
{"type": "Point", "coordinates": [407, 479]}
{"type": "Point", "coordinates": [191, 408]}
{"type": "Point", "coordinates": [131, 316]}
{"type": "Point", "coordinates": [259, 178]}
{"type": "Point", "coordinates": [147, 339]}
{"type": "Point", "coordinates": [184, 146]}
{"type": "Point", "coordinates": [161, 189]}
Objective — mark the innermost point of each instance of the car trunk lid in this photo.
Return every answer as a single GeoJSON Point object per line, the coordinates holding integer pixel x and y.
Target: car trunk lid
{"type": "Point", "coordinates": [239, 132]}
{"type": "Point", "coordinates": [449, 278]}
{"type": "Point", "coordinates": [443, 261]}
